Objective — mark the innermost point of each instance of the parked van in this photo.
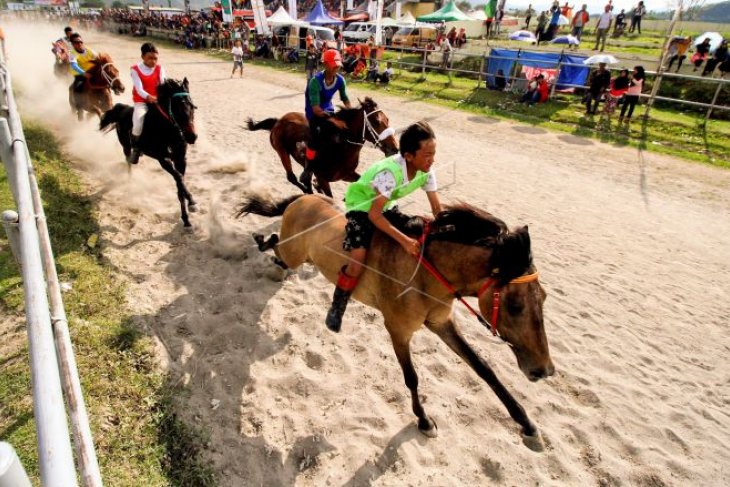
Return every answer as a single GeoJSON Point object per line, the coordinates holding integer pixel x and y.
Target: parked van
{"type": "Point", "coordinates": [295, 35]}
{"type": "Point", "coordinates": [408, 37]}
{"type": "Point", "coordinates": [361, 32]}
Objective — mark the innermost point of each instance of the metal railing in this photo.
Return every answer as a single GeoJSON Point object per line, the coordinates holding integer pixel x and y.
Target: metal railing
{"type": "Point", "coordinates": [53, 366]}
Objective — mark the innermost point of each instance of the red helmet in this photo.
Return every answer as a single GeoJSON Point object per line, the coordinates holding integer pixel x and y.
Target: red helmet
{"type": "Point", "coordinates": [331, 57]}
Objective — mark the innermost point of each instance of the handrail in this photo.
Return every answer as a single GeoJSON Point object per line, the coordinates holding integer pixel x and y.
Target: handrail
{"type": "Point", "coordinates": [53, 365]}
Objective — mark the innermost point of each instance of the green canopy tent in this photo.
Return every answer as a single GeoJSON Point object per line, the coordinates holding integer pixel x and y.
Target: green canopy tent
{"type": "Point", "coordinates": [490, 9]}
{"type": "Point", "coordinates": [448, 13]}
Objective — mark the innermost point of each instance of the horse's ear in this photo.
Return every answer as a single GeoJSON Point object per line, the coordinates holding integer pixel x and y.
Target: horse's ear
{"type": "Point", "coordinates": [359, 101]}
{"type": "Point", "coordinates": [185, 83]}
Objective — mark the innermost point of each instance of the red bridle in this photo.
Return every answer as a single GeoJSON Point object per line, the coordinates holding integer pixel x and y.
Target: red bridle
{"type": "Point", "coordinates": [490, 282]}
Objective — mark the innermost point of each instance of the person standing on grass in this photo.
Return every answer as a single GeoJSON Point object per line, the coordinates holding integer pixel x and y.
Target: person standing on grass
{"type": "Point", "coordinates": [703, 50]}
{"type": "Point", "coordinates": [639, 12]}
{"type": "Point", "coordinates": [445, 52]}
{"type": "Point", "coordinates": [719, 56]}
{"type": "Point", "coordinates": [528, 16]}
{"type": "Point", "coordinates": [579, 22]}
{"type": "Point", "coordinates": [311, 62]}
{"type": "Point", "coordinates": [599, 82]}
{"type": "Point", "coordinates": [632, 95]}
{"type": "Point", "coordinates": [603, 26]}
{"type": "Point", "coordinates": [237, 52]}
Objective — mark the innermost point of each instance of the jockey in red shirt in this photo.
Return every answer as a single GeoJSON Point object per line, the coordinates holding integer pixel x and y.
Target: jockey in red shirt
{"type": "Point", "coordinates": [146, 77]}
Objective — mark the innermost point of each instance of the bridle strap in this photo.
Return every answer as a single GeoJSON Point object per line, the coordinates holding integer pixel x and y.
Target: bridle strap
{"type": "Point", "coordinates": [367, 126]}
{"type": "Point", "coordinates": [490, 282]}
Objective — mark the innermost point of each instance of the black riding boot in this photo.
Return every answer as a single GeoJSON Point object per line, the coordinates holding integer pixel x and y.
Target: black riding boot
{"type": "Point", "coordinates": [134, 153]}
{"type": "Point", "coordinates": [345, 285]}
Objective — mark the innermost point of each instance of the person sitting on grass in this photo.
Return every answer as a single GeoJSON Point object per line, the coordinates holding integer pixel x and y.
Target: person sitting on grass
{"type": "Point", "coordinates": [538, 91]}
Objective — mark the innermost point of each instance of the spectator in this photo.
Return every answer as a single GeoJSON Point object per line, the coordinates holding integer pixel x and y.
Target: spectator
{"type": "Point", "coordinates": [530, 91]}
{"type": "Point", "coordinates": [639, 12]}
{"type": "Point", "coordinates": [719, 56]}
{"type": "Point", "coordinates": [579, 21]}
{"type": "Point", "coordinates": [619, 87]}
{"type": "Point", "coordinates": [620, 24]}
{"type": "Point", "coordinates": [678, 52]}
{"type": "Point", "coordinates": [725, 66]}
{"type": "Point", "coordinates": [603, 25]}
{"type": "Point", "coordinates": [311, 63]}
{"type": "Point", "coordinates": [451, 36]}
{"type": "Point", "coordinates": [498, 20]}
{"type": "Point", "coordinates": [388, 74]}
{"type": "Point", "coordinates": [237, 53]}
{"type": "Point", "coordinates": [537, 91]}
{"type": "Point", "coordinates": [528, 16]}
{"type": "Point", "coordinates": [541, 24]}
{"type": "Point", "coordinates": [567, 11]}
{"type": "Point", "coordinates": [372, 71]}
{"type": "Point", "coordinates": [703, 50]}
{"type": "Point", "coordinates": [461, 38]}
{"type": "Point", "coordinates": [445, 52]}
{"type": "Point", "coordinates": [597, 86]}
{"type": "Point", "coordinates": [554, 19]}
{"type": "Point", "coordinates": [632, 94]}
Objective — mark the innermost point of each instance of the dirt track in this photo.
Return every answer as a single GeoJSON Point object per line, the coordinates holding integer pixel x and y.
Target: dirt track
{"type": "Point", "coordinates": [633, 252]}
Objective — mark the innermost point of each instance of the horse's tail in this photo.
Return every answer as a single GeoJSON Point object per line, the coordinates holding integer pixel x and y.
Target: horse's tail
{"type": "Point", "coordinates": [267, 124]}
{"type": "Point", "coordinates": [259, 206]}
{"type": "Point", "coordinates": [112, 117]}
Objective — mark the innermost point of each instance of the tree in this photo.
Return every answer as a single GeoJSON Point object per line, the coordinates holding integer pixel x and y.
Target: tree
{"type": "Point", "coordinates": [118, 4]}
{"type": "Point", "coordinates": [92, 4]}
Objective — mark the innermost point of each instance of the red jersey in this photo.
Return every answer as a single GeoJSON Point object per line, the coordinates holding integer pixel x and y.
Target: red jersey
{"type": "Point", "coordinates": [149, 83]}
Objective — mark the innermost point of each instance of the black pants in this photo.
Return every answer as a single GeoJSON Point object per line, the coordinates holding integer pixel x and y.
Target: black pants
{"type": "Point", "coordinates": [630, 102]}
{"type": "Point", "coordinates": [635, 24]}
{"type": "Point", "coordinates": [592, 100]}
{"type": "Point", "coordinates": [710, 66]}
{"type": "Point", "coordinates": [79, 82]}
{"type": "Point", "coordinates": [678, 58]}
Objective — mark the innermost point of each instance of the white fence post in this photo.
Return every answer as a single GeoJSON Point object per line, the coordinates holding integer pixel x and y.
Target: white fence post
{"type": "Point", "coordinates": [10, 224]}
{"type": "Point", "coordinates": [12, 473]}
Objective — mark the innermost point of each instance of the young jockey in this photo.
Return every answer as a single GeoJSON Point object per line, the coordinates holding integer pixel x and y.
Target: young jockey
{"type": "Point", "coordinates": [80, 61]}
{"type": "Point", "coordinates": [146, 77]}
{"type": "Point", "coordinates": [318, 98]}
{"type": "Point", "coordinates": [375, 192]}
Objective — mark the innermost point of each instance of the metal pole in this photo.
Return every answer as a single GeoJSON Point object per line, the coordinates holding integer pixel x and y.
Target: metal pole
{"type": "Point", "coordinates": [423, 64]}
{"type": "Point", "coordinates": [557, 73]}
{"type": "Point", "coordinates": [54, 445]}
{"type": "Point", "coordinates": [12, 473]}
{"type": "Point", "coordinates": [10, 224]}
{"type": "Point", "coordinates": [481, 69]}
{"type": "Point", "coordinates": [714, 100]}
{"type": "Point", "coordinates": [6, 154]}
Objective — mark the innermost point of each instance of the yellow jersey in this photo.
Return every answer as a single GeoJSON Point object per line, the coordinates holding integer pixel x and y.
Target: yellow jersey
{"type": "Point", "coordinates": [84, 60]}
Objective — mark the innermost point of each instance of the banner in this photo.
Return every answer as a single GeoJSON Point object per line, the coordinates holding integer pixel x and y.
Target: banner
{"type": "Point", "coordinates": [293, 9]}
{"type": "Point", "coordinates": [227, 10]}
{"type": "Point", "coordinates": [259, 16]}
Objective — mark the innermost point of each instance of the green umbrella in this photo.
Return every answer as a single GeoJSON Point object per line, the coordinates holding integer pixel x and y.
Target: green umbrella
{"type": "Point", "coordinates": [490, 9]}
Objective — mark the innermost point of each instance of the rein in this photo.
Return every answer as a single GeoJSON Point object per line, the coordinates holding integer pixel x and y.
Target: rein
{"type": "Point", "coordinates": [366, 125]}
{"type": "Point", "coordinates": [109, 80]}
{"type": "Point", "coordinates": [490, 282]}
{"type": "Point", "coordinates": [169, 116]}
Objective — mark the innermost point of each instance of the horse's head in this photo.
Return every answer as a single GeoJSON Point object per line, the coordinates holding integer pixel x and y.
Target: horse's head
{"type": "Point", "coordinates": [377, 127]}
{"type": "Point", "coordinates": [105, 73]}
{"type": "Point", "coordinates": [174, 98]}
{"type": "Point", "coordinates": [509, 293]}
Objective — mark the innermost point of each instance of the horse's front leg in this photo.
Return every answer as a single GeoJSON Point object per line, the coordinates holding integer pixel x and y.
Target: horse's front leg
{"type": "Point", "coordinates": [449, 333]}
{"type": "Point", "coordinates": [168, 166]}
{"type": "Point", "coordinates": [181, 166]}
{"type": "Point", "coordinates": [402, 347]}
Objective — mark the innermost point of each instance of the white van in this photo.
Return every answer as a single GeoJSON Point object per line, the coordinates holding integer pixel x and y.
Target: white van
{"type": "Point", "coordinates": [361, 32]}
{"type": "Point", "coordinates": [294, 36]}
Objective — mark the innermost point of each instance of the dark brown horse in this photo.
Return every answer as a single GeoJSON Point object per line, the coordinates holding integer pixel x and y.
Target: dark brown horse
{"type": "Point", "coordinates": [96, 97]}
{"type": "Point", "coordinates": [473, 250]}
{"type": "Point", "coordinates": [337, 160]}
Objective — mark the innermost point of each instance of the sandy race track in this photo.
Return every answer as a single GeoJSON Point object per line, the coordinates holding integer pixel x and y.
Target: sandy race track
{"type": "Point", "coordinates": [633, 252]}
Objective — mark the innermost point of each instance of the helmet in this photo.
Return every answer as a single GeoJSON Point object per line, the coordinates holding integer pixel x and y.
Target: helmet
{"type": "Point", "coordinates": [331, 57]}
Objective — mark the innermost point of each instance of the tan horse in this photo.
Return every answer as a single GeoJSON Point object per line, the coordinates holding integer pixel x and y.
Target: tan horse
{"type": "Point", "coordinates": [97, 97]}
{"type": "Point", "coordinates": [472, 249]}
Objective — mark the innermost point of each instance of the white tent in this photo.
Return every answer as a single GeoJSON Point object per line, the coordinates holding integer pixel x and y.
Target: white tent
{"type": "Point", "coordinates": [477, 14]}
{"type": "Point", "coordinates": [407, 19]}
{"type": "Point", "coordinates": [280, 17]}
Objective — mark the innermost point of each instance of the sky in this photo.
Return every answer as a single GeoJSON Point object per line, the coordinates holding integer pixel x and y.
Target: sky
{"type": "Point", "coordinates": [594, 6]}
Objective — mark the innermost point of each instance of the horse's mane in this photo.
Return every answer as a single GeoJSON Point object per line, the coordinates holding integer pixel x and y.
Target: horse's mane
{"type": "Point", "coordinates": [170, 87]}
{"type": "Point", "coordinates": [467, 225]}
{"type": "Point", "coordinates": [348, 114]}
{"type": "Point", "coordinates": [101, 59]}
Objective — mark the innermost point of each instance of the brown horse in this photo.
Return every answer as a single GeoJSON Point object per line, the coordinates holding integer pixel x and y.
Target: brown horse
{"type": "Point", "coordinates": [472, 249]}
{"type": "Point", "coordinates": [338, 160]}
{"type": "Point", "coordinates": [96, 97]}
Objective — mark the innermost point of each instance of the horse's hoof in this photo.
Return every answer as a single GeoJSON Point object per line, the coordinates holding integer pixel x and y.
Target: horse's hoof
{"type": "Point", "coordinates": [428, 428]}
{"type": "Point", "coordinates": [193, 208]}
{"type": "Point", "coordinates": [534, 442]}
{"type": "Point", "coordinates": [259, 239]}
{"type": "Point", "coordinates": [187, 227]}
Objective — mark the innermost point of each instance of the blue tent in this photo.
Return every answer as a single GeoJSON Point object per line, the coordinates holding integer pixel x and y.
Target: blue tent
{"type": "Point", "coordinates": [319, 16]}
{"type": "Point", "coordinates": [504, 59]}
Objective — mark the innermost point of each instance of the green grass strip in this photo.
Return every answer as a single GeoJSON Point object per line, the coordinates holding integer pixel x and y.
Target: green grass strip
{"type": "Point", "coordinates": [139, 439]}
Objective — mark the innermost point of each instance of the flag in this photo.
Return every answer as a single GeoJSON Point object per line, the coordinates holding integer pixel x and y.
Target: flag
{"type": "Point", "coordinates": [490, 9]}
{"type": "Point", "coordinates": [227, 10]}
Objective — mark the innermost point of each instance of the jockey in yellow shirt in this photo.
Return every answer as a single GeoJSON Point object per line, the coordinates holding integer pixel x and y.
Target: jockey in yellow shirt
{"type": "Point", "coordinates": [80, 61]}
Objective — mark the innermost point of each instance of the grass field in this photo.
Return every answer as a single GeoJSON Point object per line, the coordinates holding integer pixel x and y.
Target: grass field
{"type": "Point", "coordinates": [139, 440]}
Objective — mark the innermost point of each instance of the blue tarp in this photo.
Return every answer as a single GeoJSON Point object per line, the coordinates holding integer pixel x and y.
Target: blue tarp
{"type": "Point", "coordinates": [504, 59]}
{"type": "Point", "coordinates": [319, 16]}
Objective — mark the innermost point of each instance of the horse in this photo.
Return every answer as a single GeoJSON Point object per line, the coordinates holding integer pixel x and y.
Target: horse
{"type": "Point", "coordinates": [472, 252]}
{"type": "Point", "coordinates": [169, 127]}
{"type": "Point", "coordinates": [61, 64]}
{"type": "Point", "coordinates": [96, 98]}
{"type": "Point", "coordinates": [335, 161]}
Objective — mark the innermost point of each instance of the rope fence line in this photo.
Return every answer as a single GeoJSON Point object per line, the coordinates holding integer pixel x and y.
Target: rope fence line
{"type": "Point", "coordinates": [54, 374]}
